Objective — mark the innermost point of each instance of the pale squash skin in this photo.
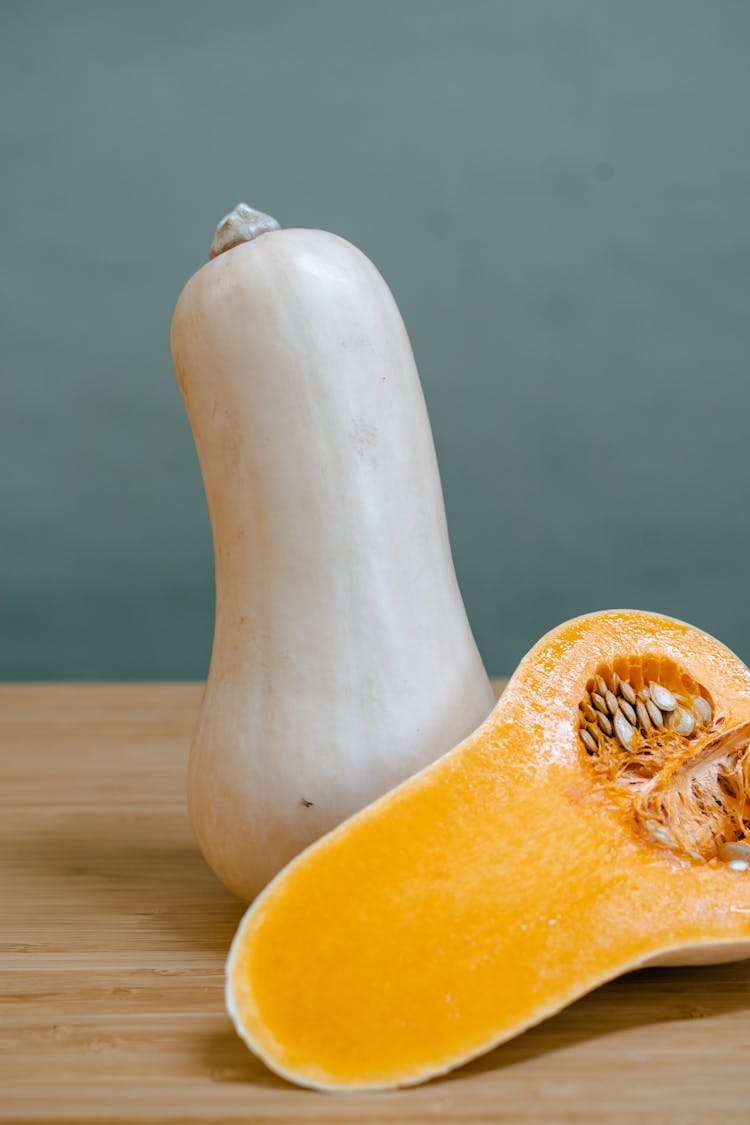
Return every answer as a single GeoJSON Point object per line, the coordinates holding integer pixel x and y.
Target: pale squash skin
{"type": "Point", "coordinates": [487, 892]}
{"type": "Point", "coordinates": [343, 660]}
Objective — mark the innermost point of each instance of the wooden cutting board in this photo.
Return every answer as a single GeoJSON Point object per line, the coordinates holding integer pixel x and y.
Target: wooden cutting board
{"type": "Point", "coordinates": [113, 934]}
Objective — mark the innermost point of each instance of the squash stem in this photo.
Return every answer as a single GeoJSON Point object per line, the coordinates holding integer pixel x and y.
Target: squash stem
{"type": "Point", "coordinates": [242, 224]}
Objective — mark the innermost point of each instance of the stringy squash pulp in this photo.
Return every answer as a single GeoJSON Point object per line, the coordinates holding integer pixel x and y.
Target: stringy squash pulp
{"type": "Point", "coordinates": [519, 871]}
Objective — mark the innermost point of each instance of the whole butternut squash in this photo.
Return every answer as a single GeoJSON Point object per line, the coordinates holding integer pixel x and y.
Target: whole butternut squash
{"type": "Point", "coordinates": [342, 660]}
{"type": "Point", "coordinates": [598, 820]}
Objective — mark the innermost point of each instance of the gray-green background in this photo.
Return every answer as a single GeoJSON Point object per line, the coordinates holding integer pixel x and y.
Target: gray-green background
{"type": "Point", "coordinates": [557, 193]}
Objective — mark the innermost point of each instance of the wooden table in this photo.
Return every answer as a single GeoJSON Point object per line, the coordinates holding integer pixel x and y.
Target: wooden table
{"type": "Point", "coordinates": [114, 932]}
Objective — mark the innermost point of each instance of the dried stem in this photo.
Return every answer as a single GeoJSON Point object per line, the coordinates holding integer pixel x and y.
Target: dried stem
{"type": "Point", "coordinates": [242, 224]}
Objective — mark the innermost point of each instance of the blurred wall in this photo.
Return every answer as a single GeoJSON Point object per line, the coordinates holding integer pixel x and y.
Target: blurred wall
{"type": "Point", "coordinates": [557, 194]}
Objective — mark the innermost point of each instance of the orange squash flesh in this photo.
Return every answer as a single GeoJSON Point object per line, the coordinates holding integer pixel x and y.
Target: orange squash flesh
{"type": "Point", "coordinates": [491, 889]}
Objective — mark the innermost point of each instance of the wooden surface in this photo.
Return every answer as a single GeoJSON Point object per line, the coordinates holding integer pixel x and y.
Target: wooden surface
{"type": "Point", "coordinates": [114, 933]}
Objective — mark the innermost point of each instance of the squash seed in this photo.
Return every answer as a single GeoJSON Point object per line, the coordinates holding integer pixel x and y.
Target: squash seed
{"type": "Point", "coordinates": [663, 699]}
{"type": "Point", "coordinates": [589, 712]}
{"type": "Point", "coordinates": [660, 833]}
{"type": "Point", "coordinates": [627, 693]}
{"type": "Point", "coordinates": [616, 683]}
{"type": "Point", "coordinates": [598, 702]}
{"type": "Point", "coordinates": [681, 721]}
{"type": "Point", "coordinates": [589, 741]}
{"type": "Point", "coordinates": [702, 709]}
{"type": "Point", "coordinates": [735, 851]}
{"type": "Point", "coordinates": [738, 864]}
{"type": "Point", "coordinates": [654, 713]}
{"type": "Point", "coordinates": [611, 701]}
{"type": "Point", "coordinates": [643, 717]}
{"type": "Point", "coordinates": [628, 712]}
{"type": "Point", "coordinates": [605, 724]}
{"type": "Point", "coordinates": [601, 685]}
{"type": "Point", "coordinates": [624, 731]}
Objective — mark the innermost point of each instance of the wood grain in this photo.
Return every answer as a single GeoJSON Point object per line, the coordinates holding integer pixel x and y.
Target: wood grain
{"type": "Point", "coordinates": [113, 936]}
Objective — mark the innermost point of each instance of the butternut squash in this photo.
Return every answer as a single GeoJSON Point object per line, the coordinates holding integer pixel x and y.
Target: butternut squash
{"type": "Point", "coordinates": [597, 821]}
{"type": "Point", "coordinates": [342, 660]}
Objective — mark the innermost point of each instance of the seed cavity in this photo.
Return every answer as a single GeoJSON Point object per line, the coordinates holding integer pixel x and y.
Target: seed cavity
{"type": "Point", "coordinates": [612, 705]}
{"type": "Point", "coordinates": [652, 731]}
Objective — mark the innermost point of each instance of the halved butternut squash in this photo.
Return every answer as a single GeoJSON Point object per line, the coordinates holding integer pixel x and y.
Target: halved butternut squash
{"type": "Point", "coordinates": [551, 851]}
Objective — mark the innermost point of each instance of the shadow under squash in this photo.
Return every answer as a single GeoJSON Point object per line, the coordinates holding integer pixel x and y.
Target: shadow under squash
{"type": "Point", "coordinates": [152, 878]}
